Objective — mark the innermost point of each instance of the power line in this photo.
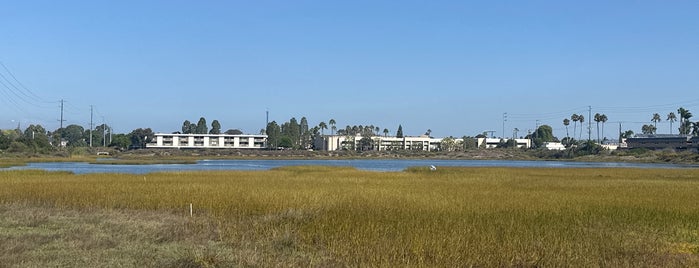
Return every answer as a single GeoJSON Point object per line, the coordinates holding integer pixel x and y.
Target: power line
{"type": "Point", "coordinates": [20, 83]}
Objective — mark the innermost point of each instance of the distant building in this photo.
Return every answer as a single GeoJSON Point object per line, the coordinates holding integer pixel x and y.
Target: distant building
{"type": "Point", "coordinates": [554, 146]}
{"type": "Point", "coordinates": [490, 143]}
{"type": "Point", "coordinates": [663, 141]}
{"type": "Point", "coordinates": [216, 141]}
{"type": "Point", "coordinates": [379, 143]}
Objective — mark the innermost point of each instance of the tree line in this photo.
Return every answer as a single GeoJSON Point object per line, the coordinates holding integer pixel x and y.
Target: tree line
{"type": "Point", "coordinates": [298, 134]}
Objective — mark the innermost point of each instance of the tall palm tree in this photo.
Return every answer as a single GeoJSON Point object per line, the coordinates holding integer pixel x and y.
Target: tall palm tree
{"type": "Point", "coordinates": [603, 119]}
{"type": "Point", "coordinates": [598, 118]}
{"type": "Point", "coordinates": [672, 118]}
{"type": "Point", "coordinates": [695, 128]}
{"type": "Point", "coordinates": [332, 126]}
{"type": "Point", "coordinates": [656, 118]}
{"type": "Point", "coordinates": [322, 126]}
{"type": "Point", "coordinates": [378, 129]}
{"type": "Point", "coordinates": [581, 118]}
{"type": "Point", "coordinates": [575, 118]}
{"type": "Point", "coordinates": [566, 122]}
{"type": "Point", "coordinates": [385, 132]}
{"type": "Point", "coordinates": [685, 115]}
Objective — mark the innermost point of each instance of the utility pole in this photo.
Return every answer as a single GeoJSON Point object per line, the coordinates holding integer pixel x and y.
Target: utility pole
{"type": "Point", "coordinates": [504, 119]}
{"type": "Point", "coordinates": [91, 125]}
{"type": "Point", "coordinates": [62, 101]}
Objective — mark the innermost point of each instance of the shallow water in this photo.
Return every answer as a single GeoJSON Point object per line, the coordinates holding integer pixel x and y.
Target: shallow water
{"type": "Point", "coordinates": [363, 164]}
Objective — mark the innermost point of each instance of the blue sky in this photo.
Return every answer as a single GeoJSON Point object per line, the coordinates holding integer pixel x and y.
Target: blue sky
{"type": "Point", "coordinates": [450, 66]}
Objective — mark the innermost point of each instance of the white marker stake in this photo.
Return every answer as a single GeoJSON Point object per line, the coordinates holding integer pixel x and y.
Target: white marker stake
{"type": "Point", "coordinates": [190, 210]}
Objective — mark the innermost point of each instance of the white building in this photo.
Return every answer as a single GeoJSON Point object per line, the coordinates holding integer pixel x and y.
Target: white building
{"type": "Point", "coordinates": [189, 141]}
{"type": "Point", "coordinates": [554, 146]}
{"type": "Point", "coordinates": [339, 142]}
{"type": "Point", "coordinates": [489, 143]}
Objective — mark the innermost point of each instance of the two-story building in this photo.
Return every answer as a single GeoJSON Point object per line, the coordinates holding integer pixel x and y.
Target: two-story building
{"type": "Point", "coordinates": [191, 141]}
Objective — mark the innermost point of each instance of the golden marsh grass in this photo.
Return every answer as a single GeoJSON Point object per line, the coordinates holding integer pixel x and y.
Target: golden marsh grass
{"type": "Point", "coordinates": [322, 216]}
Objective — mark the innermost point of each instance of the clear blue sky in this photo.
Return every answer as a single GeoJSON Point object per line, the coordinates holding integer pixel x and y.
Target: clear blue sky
{"type": "Point", "coordinates": [450, 66]}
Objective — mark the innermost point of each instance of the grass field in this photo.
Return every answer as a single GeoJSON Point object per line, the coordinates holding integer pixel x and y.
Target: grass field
{"type": "Point", "coordinates": [321, 216]}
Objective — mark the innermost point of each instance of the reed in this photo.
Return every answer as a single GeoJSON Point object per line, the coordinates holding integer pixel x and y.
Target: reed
{"type": "Point", "coordinates": [322, 216]}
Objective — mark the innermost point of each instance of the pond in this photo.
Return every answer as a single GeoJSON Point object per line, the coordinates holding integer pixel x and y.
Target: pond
{"type": "Point", "coordinates": [363, 164]}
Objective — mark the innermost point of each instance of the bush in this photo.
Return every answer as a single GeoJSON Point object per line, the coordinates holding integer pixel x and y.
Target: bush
{"type": "Point", "coordinates": [17, 147]}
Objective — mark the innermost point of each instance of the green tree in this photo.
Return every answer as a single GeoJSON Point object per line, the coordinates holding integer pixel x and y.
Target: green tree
{"type": "Point", "coordinates": [655, 119]}
{"type": "Point", "coordinates": [36, 139]}
{"type": "Point", "coordinates": [366, 144]}
{"type": "Point", "coordinates": [201, 126]}
{"type": "Point", "coordinates": [306, 135]}
{"type": "Point", "coordinates": [186, 127]}
{"type": "Point", "coordinates": [672, 118]}
{"type": "Point", "coordinates": [603, 118]}
{"type": "Point", "coordinates": [385, 132]}
{"type": "Point", "coordinates": [581, 118]}
{"type": "Point", "coordinates": [566, 122]}
{"type": "Point", "coordinates": [273, 132]}
{"type": "Point", "coordinates": [448, 144]}
{"type": "Point", "coordinates": [73, 134]}
{"type": "Point", "coordinates": [333, 128]}
{"type": "Point", "coordinates": [627, 134]}
{"type": "Point", "coordinates": [215, 127]}
{"type": "Point", "coordinates": [469, 143]}
{"type": "Point", "coordinates": [399, 133]}
{"type": "Point", "coordinates": [600, 118]}
{"type": "Point", "coordinates": [141, 136]}
{"type": "Point", "coordinates": [122, 141]}
{"type": "Point", "coordinates": [100, 135]}
{"type": "Point", "coordinates": [4, 141]}
{"type": "Point", "coordinates": [236, 132]}
{"type": "Point", "coordinates": [285, 142]}
{"type": "Point", "coordinates": [292, 130]}
{"type": "Point", "coordinates": [322, 127]}
{"type": "Point", "coordinates": [575, 118]}
{"type": "Point", "coordinates": [543, 134]}
{"type": "Point", "coordinates": [685, 124]}
{"type": "Point", "coordinates": [18, 147]}
{"type": "Point", "coordinates": [648, 129]}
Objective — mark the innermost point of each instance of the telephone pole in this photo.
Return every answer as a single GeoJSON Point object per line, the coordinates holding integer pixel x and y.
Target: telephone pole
{"type": "Point", "coordinates": [504, 119]}
{"type": "Point", "coordinates": [62, 101]}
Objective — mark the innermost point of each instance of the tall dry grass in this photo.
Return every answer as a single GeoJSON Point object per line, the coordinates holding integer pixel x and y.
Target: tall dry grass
{"type": "Point", "coordinates": [321, 216]}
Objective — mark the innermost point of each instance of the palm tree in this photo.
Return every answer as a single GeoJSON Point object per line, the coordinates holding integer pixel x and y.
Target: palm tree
{"type": "Point", "coordinates": [566, 122]}
{"type": "Point", "coordinates": [695, 128]}
{"type": "Point", "coordinates": [385, 132]}
{"type": "Point", "coordinates": [581, 118]}
{"type": "Point", "coordinates": [685, 115]}
{"type": "Point", "coordinates": [332, 126]}
{"type": "Point", "coordinates": [648, 129]}
{"type": "Point", "coordinates": [603, 119]}
{"type": "Point", "coordinates": [672, 118]}
{"type": "Point", "coordinates": [322, 126]}
{"type": "Point", "coordinates": [598, 118]}
{"type": "Point", "coordinates": [575, 118]}
{"type": "Point", "coordinates": [656, 118]}
{"type": "Point", "coordinates": [428, 132]}
{"type": "Point", "coordinates": [377, 130]}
